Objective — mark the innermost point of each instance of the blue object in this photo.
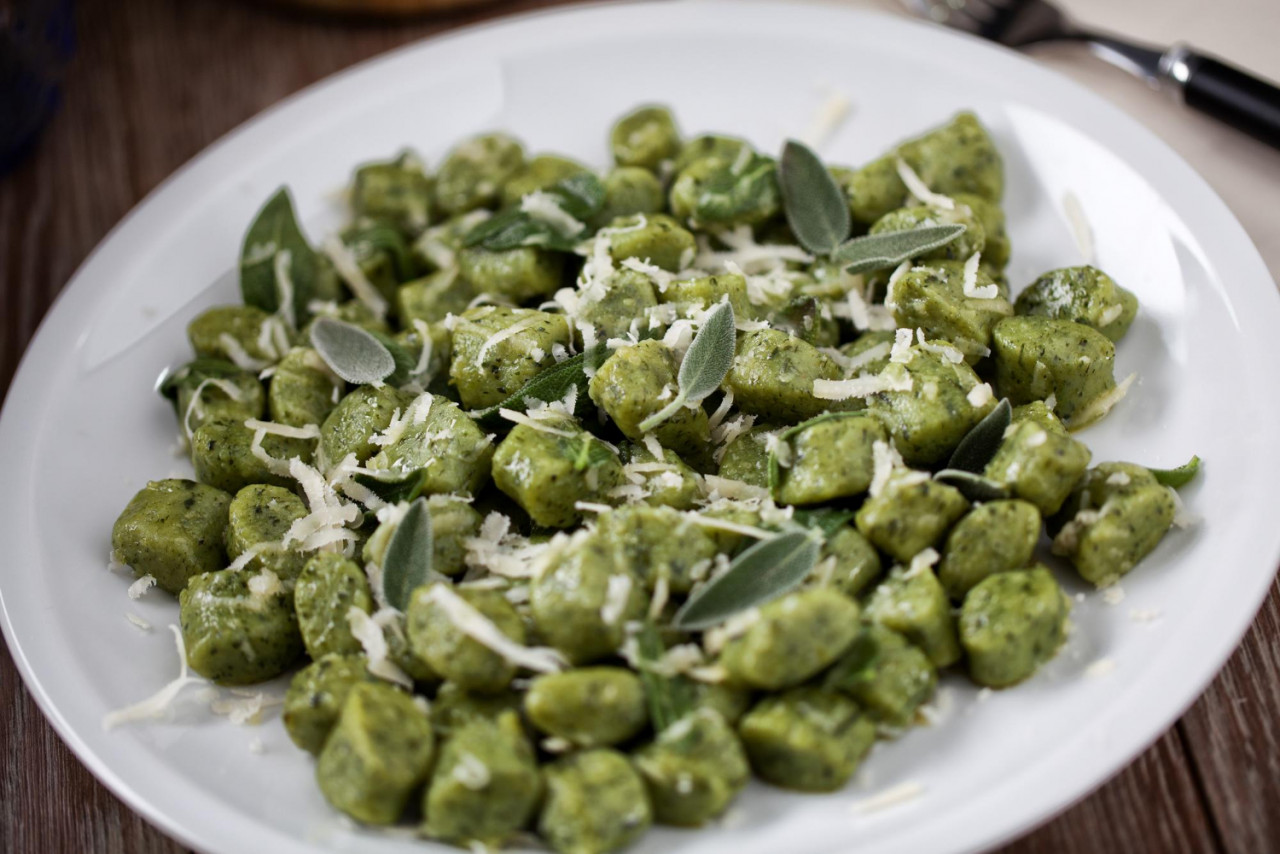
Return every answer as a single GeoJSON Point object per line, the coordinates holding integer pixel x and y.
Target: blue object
{"type": "Point", "coordinates": [37, 39]}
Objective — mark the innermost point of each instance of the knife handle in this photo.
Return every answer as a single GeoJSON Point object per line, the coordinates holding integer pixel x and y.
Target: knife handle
{"type": "Point", "coordinates": [1225, 92]}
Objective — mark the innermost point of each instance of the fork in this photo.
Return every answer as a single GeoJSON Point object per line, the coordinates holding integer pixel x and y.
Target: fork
{"type": "Point", "coordinates": [1209, 85]}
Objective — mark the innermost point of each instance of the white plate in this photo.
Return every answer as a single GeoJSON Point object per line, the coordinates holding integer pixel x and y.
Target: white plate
{"type": "Point", "coordinates": [82, 429]}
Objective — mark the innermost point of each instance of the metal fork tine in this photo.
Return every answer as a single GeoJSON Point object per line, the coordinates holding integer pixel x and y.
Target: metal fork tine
{"type": "Point", "coordinates": [980, 10]}
{"type": "Point", "coordinates": [1010, 22]}
{"type": "Point", "coordinates": [949, 14]}
{"type": "Point", "coordinates": [967, 23]}
{"type": "Point", "coordinates": [998, 6]}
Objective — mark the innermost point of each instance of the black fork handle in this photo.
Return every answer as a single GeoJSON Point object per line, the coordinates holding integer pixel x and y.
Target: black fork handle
{"type": "Point", "coordinates": [1225, 92]}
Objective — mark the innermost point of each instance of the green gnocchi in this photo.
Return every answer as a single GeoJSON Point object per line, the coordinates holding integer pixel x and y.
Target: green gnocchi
{"type": "Point", "coordinates": [572, 500]}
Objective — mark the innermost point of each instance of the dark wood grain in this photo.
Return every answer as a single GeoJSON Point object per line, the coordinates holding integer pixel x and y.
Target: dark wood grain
{"type": "Point", "coordinates": [1234, 738]}
{"type": "Point", "coordinates": [1153, 805]}
{"type": "Point", "coordinates": [154, 82]}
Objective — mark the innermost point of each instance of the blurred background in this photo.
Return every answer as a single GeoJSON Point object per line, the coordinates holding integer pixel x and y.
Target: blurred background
{"type": "Point", "coordinates": [101, 100]}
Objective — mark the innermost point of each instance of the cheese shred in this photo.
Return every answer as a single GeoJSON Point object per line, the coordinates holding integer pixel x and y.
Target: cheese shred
{"type": "Point", "coordinates": [155, 706]}
{"type": "Point", "coordinates": [481, 629]}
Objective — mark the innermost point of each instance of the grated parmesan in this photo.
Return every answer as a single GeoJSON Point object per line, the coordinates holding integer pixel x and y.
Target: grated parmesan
{"type": "Point", "coordinates": [867, 356]}
{"type": "Point", "coordinates": [238, 355]}
{"type": "Point", "coordinates": [724, 487]}
{"type": "Point", "coordinates": [980, 395]}
{"type": "Point", "coordinates": [263, 586]}
{"type": "Point", "coordinates": [863, 315]}
{"type": "Point", "coordinates": [661, 593]}
{"type": "Point", "coordinates": [307, 431]}
{"type": "Point", "coordinates": [885, 459]}
{"type": "Point", "coordinates": [725, 525]}
{"type": "Point", "coordinates": [196, 404]}
{"type": "Point", "coordinates": [481, 629]}
{"type": "Point", "coordinates": [1145, 615]}
{"type": "Point", "coordinates": [729, 430]}
{"type": "Point", "coordinates": [946, 351]}
{"type": "Point", "coordinates": [901, 350]}
{"type": "Point", "coordinates": [1068, 538]}
{"type": "Point", "coordinates": [831, 113]}
{"type": "Point", "coordinates": [920, 190]}
{"type": "Point", "coordinates": [734, 627]}
{"type": "Point", "coordinates": [890, 797]}
{"type": "Point", "coordinates": [780, 450]}
{"type": "Point", "coordinates": [539, 424]}
{"type": "Point", "coordinates": [495, 549]}
{"type": "Point", "coordinates": [349, 269]}
{"type": "Point", "coordinates": [937, 710]}
{"type": "Point", "coordinates": [922, 562]}
{"type": "Point", "coordinates": [282, 266]}
{"type": "Point", "coordinates": [1102, 404]}
{"type": "Point", "coordinates": [615, 599]}
{"type": "Point", "coordinates": [894, 277]}
{"type": "Point", "coordinates": [415, 413]}
{"type": "Point", "coordinates": [158, 703]}
{"type": "Point", "coordinates": [374, 643]}
{"type": "Point", "coordinates": [861, 386]}
{"type": "Point", "coordinates": [326, 524]}
{"type": "Point", "coordinates": [716, 419]}
{"type": "Point", "coordinates": [1182, 518]}
{"type": "Point", "coordinates": [424, 358]}
{"type": "Point", "coordinates": [1079, 224]}
{"type": "Point", "coordinates": [971, 288]}
{"type": "Point", "coordinates": [139, 588]}
{"type": "Point", "coordinates": [502, 335]}
{"type": "Point", "coordinates": [661, 278]}
{"type": "Point", "coordinates": [245, 707]}
{"type": "Point", "coordinates": [545, 208]}
{"type": "Point", "coordinates": [471, 771]}
{"type": "Point", "coordinates": [746, 254]}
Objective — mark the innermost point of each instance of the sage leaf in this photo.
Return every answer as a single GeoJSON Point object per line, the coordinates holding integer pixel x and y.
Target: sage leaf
{"type": "Point", "coordinates": [763, 572]}
{"type": "Point", "coordinates": [732, 192]}
{"type": "Point", "coordinates": [669, 698]}
{"type": "Point", "coordinates": [404, 360]}
{"type": "Point", "coordinates": [549, 385]}
{"type": "Point", "coordinates": [395, 488]}
{"type": "Point", "coordinates": [580, 196]}
{"type": "Point", "coordinates": [353, 353]}
{"type": "Point", "coordinates": [370, 237]}
{"type": "Point", "coordinates": [706, 362]}
{"type": "Point", "coordinates": [710, 354]}
{"type": "Point", "coordinates": [274, 231]}
{"type": "Point", "coordinates": [825, 520]}
{"type": "Point", "coordinates": [514, 228]}
{"type": "Point", "coordinates": [878, 251]}
{"type": "Point", "coordinates": [815, 205]}
{"type": "Point", "coordinates": [800, 318]}
{"type": "Point", "coordinates": [1179, 477]}
{"type": "Point", "coordinates": [980, 444]}
{"type": "Point", "coordinates": [407, 563]}
{"type": "Point", "coordinates": [972, 486]}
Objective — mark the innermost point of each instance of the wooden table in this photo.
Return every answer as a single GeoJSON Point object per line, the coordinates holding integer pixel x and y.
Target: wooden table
{"type": "Point", "coordinates": [155, 81]}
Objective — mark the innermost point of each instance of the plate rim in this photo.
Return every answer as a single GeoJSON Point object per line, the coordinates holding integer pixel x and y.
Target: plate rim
{"type": "Point", "coordinates": [26, 393]}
